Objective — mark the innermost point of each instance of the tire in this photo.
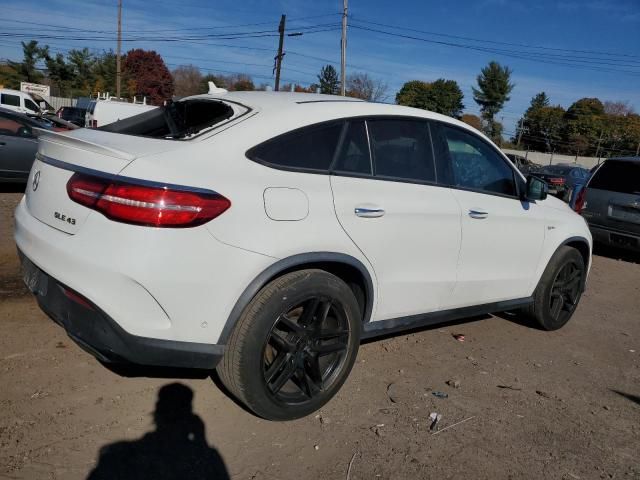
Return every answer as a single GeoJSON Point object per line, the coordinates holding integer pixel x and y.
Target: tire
{"type": "Point", "coordinates": [559, 290]}
{"type": "Point", "coordinates": [302, 329]}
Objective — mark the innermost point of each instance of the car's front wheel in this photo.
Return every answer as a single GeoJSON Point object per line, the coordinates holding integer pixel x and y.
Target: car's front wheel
{"type": "Point", "coordinates": [294, 345]}
{"type": "Point", "coordinates": [559, 290]}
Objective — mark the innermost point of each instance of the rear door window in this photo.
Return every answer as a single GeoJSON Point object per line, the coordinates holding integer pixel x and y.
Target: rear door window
{"type": "Point", "coordinates": [309, 148]}
{"type": "Point", "coordinates": [354, 156]}
{"type": "Point", "coordinates": [8, 99]}
{"type": "Point", "coordinates": [401, 149]}
{"type": "Point", "coordinates": [618, 176]}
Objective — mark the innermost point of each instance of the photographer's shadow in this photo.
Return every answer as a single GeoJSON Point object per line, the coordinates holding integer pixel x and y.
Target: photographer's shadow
{"type": "Point", "coordinates": [177, 449]}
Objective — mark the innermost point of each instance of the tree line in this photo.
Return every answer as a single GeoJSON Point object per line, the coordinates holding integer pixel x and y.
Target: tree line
{"type": "Point", "coordinates": [588, 127]}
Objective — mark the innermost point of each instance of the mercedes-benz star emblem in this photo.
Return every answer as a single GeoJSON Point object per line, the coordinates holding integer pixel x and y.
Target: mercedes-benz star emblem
{"type": "Point", "coordinates": [36, 180]}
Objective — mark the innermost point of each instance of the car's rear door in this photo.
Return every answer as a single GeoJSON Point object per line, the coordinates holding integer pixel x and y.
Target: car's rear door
{"type": "Point", "coordinates": [613, 197]}
{"type": "Point", "coordinates": [387, 200]}
{"type": "Point", "coordinates": [502, 236]}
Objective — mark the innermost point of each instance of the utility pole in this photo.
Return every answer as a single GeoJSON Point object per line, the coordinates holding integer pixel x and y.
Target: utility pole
{"type": "Point", "coordinates": [343, 51]}
{"type": "Point", "coordinates": [638, 149]}
{"type": "Point", "coordinates": [118, 69]}
{"type": "Point", "coordinates": [599, 142]}
{"type": "Point", "coordinates": [520, 132]}
{"type": "Point", "coordinates": [279, 56]}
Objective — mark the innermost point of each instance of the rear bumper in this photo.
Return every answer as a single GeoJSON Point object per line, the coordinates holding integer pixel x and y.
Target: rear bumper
{"type": "Point", "coordinates": [98, 334]}
{"type": "Point", "coordinates": [615, 238]}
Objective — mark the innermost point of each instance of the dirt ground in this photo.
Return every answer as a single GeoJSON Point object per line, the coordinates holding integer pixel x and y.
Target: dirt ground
{"type": "Point", "coordinates": [532, 404]}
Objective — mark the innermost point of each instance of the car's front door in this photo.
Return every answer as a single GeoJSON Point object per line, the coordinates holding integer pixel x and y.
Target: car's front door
{"type": "Point", "coordinates": [387, 200]}
{"type": "Point", "coordinates": [502, 236]}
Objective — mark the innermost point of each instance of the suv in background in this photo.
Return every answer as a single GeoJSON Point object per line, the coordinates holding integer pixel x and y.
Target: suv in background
{"type": "Point", "coordinates": [523, 164]}
{"type": "Point", "coordinates": [74, 115]}
{"type": "Point", "coordinates": [610, 203]}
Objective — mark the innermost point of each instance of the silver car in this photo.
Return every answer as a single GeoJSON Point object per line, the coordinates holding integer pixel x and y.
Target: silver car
{"type": "Point", "coordinates": [610, 203]}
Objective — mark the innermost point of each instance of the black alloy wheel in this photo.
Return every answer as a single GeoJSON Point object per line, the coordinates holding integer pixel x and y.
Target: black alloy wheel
{"type": "Point", "coordinates": [304, 350]}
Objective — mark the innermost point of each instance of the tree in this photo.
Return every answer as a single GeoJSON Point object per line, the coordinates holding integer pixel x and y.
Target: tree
{"type": "Point", "coordinates": [493, 91]}
{"type": "Point", "coordinates": [104, 72]}
{"type": "Point", "coordinates": [82, 63]}
{"type": "Point", "coordinates": [584, 126]}
{"type": "Point", "coordinates": [618, 108]}
{"type": "Point", "coordinates": [328, 80]}
{"type": "Point", "coordinates": [442, 96]}
{"type": "Point", "coordinates": [545, 126]}
{"type": "Point", "coordinates": [361, 85]}
{"type": "Point", "coordinates": [60, 74]}
{"type": "Point", "coordinates": [151, 77]}
{"type": "Point", "coordinates": [187, 80]}
{"type": "Point", "coordinates": [539, 100]}
{"type": "Point", "coordinates": [473, 120]}
{"type": "Point", "coordinates": [9, 76]}
{"type": "Point", "coordinates": [32, 54]}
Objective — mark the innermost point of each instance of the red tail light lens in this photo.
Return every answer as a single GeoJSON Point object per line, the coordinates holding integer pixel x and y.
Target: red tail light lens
{"type": "Point", "coordinates": [580, 200]}
{"type": "Point", "coordinates": [556, 180]}
{"type": "Point", "coordinates": [144, 205]}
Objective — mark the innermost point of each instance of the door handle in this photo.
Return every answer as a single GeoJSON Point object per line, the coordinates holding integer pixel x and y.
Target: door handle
{"type": "Point", "coordinates": [369, 212]}
{"type": "Point", "coordinates": [479, 214]}
{"type": "Point", "coordinates": [2, 144]}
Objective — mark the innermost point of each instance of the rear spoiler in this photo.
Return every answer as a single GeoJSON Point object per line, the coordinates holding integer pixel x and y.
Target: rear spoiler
{"type": "Point", "coordinates": [62, 138]}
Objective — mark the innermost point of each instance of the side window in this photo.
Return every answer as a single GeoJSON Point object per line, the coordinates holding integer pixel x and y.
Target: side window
{"type": "Point", "coordinates": [309, 148]}
{"type": "Point", "coordinates": [7, 99]}
{"type": "Point", "coordinates": [402, 149]}
{"type": "Point", "coordinates": [354, 154]}
{"type": "Point", "coordinates": [30, 105]}
{"type": "Point", "coordinates": [475, 165]}
{"type": "Point", "coordinates": [9, 126]}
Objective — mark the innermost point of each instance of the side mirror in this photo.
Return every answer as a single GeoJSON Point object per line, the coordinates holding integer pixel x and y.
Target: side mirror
{"type": "Point", "coordinates": [537, 189]}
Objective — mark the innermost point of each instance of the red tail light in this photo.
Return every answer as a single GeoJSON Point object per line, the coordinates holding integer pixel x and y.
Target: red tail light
{"type": "Point", "coordinates": [94, 124]}
{"type": "Point", "coordinates": [557, 180]}
{"type": "Point", "coordinates": [580, 201]}
{"type": "Point", "coordinates": [139, 204]}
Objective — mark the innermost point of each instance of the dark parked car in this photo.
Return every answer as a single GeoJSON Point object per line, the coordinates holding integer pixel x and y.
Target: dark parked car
{"type": "Point", "coordinates": [610, 203]}
{"type": "Point", "coordinates": [565, 181]}
{"type": "Point", "coordinates": [18, 144]}
{"type": "Point", "coordinates": [74, 115]}
{"type": "Point", "coordinates": [523, 164]}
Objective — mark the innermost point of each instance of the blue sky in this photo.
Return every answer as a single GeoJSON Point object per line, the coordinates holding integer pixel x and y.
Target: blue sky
{"type": "Point", "coordinates": [588, 31]}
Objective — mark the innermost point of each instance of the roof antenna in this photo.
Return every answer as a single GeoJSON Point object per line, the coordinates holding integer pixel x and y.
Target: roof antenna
{"type": "Point", "coordinates": [213, 89]}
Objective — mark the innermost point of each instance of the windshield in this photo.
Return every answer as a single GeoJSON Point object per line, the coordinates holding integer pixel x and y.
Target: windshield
{"type": "Point", "coordinates": [39, 100]}
{"type": "Point", "coordinates": [555, 170]}
{"type": "Point", "coordinates": [176, 120]}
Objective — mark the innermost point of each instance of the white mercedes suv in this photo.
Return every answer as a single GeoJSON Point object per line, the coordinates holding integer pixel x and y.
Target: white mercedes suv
{"type": "Point", "coordinates": [266, 234]}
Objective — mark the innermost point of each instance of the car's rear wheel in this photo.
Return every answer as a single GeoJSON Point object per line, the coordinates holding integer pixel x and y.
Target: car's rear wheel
{"type": "Point", "coordinates": [559, 290]}
{"type": "Point", "coordinates": [294, 345]}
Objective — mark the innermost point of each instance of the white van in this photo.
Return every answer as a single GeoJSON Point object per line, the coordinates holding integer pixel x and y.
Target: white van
{"type": "Point", "coordinates": [23, 102]}
{"type": "Point", "coordinates": [102, 112]}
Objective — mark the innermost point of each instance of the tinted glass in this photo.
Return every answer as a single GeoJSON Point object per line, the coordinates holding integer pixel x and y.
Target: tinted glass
{"type": "Point", "coordinates": [402, 149]}
{"type": "Point", "coordinates": [30, 105]}
{"type": "Point", "coordinates": [310, 147]}
{"type": "Point", "coordinates": [9, 126]}
{"type": "Point", "coordinates": [12, 100]}
{"type": "Point", "coordinates": [354, 154]}
{"type": "Point", "coordinates": [618, 176]}
{"type": "Point", "coordinates": [556, 170]}
{"type": "Point", "coordinates": [475, 165]}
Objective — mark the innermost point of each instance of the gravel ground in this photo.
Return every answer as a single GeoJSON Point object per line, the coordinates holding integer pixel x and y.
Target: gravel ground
{"type": "Point", "coordinates": [528, 404]}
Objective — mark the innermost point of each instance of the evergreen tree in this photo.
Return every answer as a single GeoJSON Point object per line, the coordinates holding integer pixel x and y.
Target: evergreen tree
{"type": "Point", "coordinates": [328, 80]}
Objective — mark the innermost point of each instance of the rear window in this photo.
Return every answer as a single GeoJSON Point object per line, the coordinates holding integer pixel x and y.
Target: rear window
{"type": "Point", "coordinates": [556, 170]}
{"type": "Point", "coordinates": [309, 148]}
{"type": "Point", "coordinates": [176, 120]}
{"type": "Point", "coordinates": [617, 176]}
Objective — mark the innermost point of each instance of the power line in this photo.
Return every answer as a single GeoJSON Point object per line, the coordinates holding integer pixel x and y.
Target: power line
{"type": "Point", "coordinates": [512, 54]}
{"type": "Point", "coordinates": [595, 52]}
